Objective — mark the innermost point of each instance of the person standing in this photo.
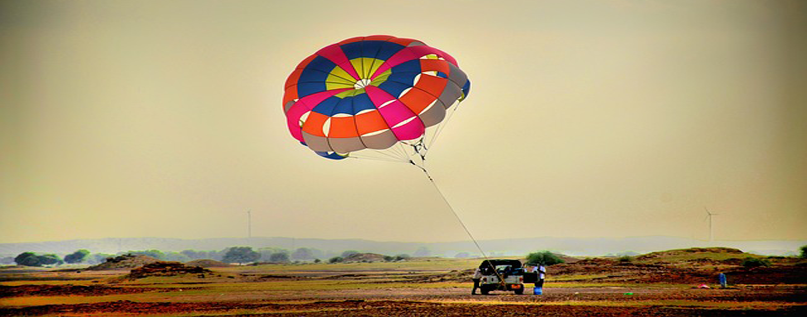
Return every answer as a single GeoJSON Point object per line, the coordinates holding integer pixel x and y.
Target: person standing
{"type": "Point", "coordinates": [477, 276]}
{"type": "Point", "coordinates": [541, 276]}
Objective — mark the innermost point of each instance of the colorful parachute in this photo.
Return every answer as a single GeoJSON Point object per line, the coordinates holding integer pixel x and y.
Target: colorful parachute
{"type": "Point", "coordinates": [370, 93]}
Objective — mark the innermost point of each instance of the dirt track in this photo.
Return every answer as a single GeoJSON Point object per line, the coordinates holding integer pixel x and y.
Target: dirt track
{"type": "Point", "coordinates": [385, 308]}
{"type": "Point", "coordinates": [432, 302]}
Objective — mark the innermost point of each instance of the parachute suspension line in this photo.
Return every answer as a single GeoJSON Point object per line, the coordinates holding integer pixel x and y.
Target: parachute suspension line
{"type": "Point", "coordinates": [375, 155]}
{"type": "Point", "coordinates": [399, 149]}
{"type": "Point", "coordinates": [391, 154]}
{"type": "Point", "coordinates": [501, 278]}
{"type": "Point", "coordinates": [420, 149]}
{"type": "Point", "coordinates": [441, 126]}
{"type": "Point", "coordinates": [388, 156]}
{"type": "Point", "coordinates": [374, 159]}
{"type": "Point", "coordinates": [432, 180]}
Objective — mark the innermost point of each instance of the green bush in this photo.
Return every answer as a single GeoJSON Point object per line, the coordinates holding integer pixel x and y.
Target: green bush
{"type": "Point", "coordinates": [336, 259]}
{"type": "Point", "coordinates": [279, 257]}
{"type": "Point", "coordinates": [240, 255]}
{"type": "Point", "coordinates": [27, 259]}
{"type": "Point", "coordinates": [804, 252]}
{"type": "Point", "coordinates": [624, 259]}
{"type": "Point", "coordinates": [50, 259]}
{"type": "Point", "coordinates": [543, 258]}
{"type": "Point", "coordinates": [33, 259]}
{"type": "Point", "coordinates": [750, 262]}
{"type": "Point", "coordinates": [77, 257]}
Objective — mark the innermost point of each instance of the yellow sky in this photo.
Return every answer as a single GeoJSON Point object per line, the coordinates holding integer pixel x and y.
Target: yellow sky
{"type": "Point", "coordinates": [585, 119]}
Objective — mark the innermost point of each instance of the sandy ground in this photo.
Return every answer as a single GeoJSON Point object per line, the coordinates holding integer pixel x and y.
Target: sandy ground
{"type": "Point", "coordinates": [650, 301]}
{"type": "Point", "coordinates": [271, 291]}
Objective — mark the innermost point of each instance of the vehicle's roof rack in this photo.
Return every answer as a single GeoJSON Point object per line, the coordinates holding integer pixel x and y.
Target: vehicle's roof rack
{"type": "Point", "coordinates": [496, 262]}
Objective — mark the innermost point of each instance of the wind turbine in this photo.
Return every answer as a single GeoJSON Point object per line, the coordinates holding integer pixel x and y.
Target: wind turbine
{"type": "Point", "coordinates": [709, 217]}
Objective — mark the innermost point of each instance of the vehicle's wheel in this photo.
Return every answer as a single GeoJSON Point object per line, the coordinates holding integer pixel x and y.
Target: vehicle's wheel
{"type": "Point", "coordinates": [519, 290]}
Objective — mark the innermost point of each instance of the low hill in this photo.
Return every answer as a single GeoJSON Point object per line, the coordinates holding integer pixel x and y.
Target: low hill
{"type": "Point", "coordinates": [167, 268]}
{"type": "Point", "coordinates": [698, 255]}
{"type": "Point", "coordinates": [207, 263]}
{"type": "Point", "coordinates": [683, 266]}
{"type": "Point", "coordinates": [364, 257]}
{"type": "Point", "coordinates": [126, 261]}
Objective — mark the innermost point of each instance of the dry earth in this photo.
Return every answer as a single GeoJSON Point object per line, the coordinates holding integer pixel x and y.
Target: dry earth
{"type": "Point", "coordinates": [652, 285]}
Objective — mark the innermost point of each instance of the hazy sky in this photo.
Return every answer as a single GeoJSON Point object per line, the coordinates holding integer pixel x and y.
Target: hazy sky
{"type": "Point", "coordinates": [585, 119]}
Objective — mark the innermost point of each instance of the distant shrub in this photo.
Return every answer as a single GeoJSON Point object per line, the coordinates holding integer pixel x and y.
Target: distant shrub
{"type": "Point", "coordinates": [624, 259]}
{"type": "Point", "coordinates": [33, 259]}
{"type": "Point", "coordinates": [543, 258]}
{"type": "Point", "coordinates": [302, 254]}
{"type": "Point", "coordinates": [750, 262]}
{"type": "Point", "coordinates": [279, 257]}
{"type": "Point", "coordinates": [317, 260]}
{"type": "Point", "coordinates": [348, 253]}
{"type": "Point", "coordinates": [336, 259]}
{"type": "Point", "coordinates": [241, 255]}
{"type": "Point", "coordinates": [50, 259]}
{"type": "Point", "coordinates": [27, 259]}
{"type": "Point", "coordinates": [803, 252]}
{"type": "Point", "coordinates": [389, 258]}
{"type": "Point", "coordinates": [77, 257]}
{"type": "Point", "coordinates": [402, 257]}
{"type": "Point", "coordinates": [157, 254]}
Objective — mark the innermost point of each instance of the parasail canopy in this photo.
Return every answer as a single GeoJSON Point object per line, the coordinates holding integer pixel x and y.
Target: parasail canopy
{"type": "Point", "coordinates": [371, 93]}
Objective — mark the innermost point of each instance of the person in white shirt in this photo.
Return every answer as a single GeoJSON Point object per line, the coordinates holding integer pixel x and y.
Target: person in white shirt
{"type": "Point", "coordinates": [477, 276]}
{"type": "Point", "coordinates": [541, 276]}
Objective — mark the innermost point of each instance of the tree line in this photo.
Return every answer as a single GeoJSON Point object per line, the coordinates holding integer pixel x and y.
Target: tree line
{"type": "Point", "coordinates": [241, 254]}
{"type": "Point", "coordinates": [237, 254]}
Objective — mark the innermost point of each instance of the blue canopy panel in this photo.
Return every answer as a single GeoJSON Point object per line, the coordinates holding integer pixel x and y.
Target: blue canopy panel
{"type": "Point", "coordinates": [370, 48]}
{"type": "Point", "coordinates": [321, 64]}
{"type": "Point", "coordinates": [407, 78]}
{"type": "Point", "coordinates": [331, 155]}
{"type": "Point", "coordinates": [350, 105]}
{"type": "Point", "coordinates": [466, 88]}
{"type": "Point", "coordinates": [326, 106]}
{"type": "Point", "coordinates": [373, 49]}
{"type": "Point", "coordinates": [387, 49]}
{"type": "Point", "coordinates": [344, 106]}
{"type": "Point", "coordinates": [412, 66]}
{"type": "Point", "coordinates": [312, 78]}
{"type": "Point", "coordinates": [352, 50]}
{"type": "Point", "coordinates": [393, 88]}
{"type": "Point", "coordinates": [362, 102]}
{"type": "Point", "coordinates": [305, 89]}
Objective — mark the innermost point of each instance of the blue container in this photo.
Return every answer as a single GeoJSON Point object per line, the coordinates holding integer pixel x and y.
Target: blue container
{"type": "Point", "coordinates": [538, 291]}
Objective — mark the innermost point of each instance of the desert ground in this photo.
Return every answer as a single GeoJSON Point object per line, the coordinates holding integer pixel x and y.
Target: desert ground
{"type": "Point", "coordinates": [656, 284]}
